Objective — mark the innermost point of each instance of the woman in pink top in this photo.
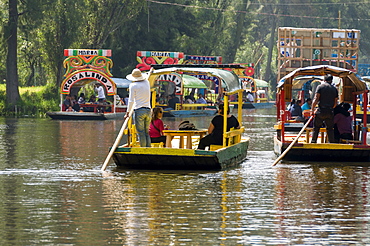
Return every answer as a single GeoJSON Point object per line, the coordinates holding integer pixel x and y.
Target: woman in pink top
{"type": "Point", "coordinates": [156, 126]}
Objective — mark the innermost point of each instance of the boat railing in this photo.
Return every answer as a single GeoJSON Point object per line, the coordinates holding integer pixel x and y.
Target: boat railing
{"type": "Point", "coordinates": [232, 137]}
{"type": "Point", "coordinates": [130, 131]}
{"type": "Point", "coordinates": [262, 99]}
{"type": "Point", "coordinates": [190, 106]}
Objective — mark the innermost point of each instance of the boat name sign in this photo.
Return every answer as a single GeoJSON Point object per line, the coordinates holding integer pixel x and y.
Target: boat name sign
{"type": "Point", "coordinates": [176, 79]}
{"type": "Point", "coordinates": [88, 74]}
{"type": "Point", "coordinates": [215, 79]}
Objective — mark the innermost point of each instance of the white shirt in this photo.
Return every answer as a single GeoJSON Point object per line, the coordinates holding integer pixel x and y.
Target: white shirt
{"type": "Point", "coordinates": [250, 98]}
{"type": "Point", "coordinates": [201, 100]}
{"type": "Point", "coordinates": [100, 91]}
{"type": "Point", "coordinates": [139, 95]}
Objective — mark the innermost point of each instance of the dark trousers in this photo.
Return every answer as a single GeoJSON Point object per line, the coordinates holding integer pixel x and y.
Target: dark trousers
{"type": "Point", "coordinates": [346, 136]}
{"type": "Point", "coordinates": [207, 141]}
{"type": "Point", "coordinates": [326, 116]}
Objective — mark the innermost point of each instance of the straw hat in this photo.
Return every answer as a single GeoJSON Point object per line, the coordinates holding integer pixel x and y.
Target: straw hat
{"type": "Point", "coordinates": [136, 75]}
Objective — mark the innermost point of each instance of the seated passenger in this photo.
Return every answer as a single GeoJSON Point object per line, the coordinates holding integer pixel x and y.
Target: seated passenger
{"type": "Point", "coordinates": [75, 105]}
{"type": "Point", "coordinates": [250, 97]}
{"type": "Point", "coordinates": [188, 100]}
{"type": "Point", "coordinates": [201, 99]}
{"type": "Point", "coordinates": [126, 100]}
{"type": "Point", "coordinates": [296, 110]}
{"type": "Point", "coordinates": [172, 100]}
{"type": "Point", "coordinates": [66, 103]}
{"type": "Point", "coordinates": [92, 100]}
{"type": "Point", "coordinates": [81, 99]}
{"type": "Point", "coordinates": [70, 109]}
{"type": "Point", "coordinates": [215, 129]}
{"type": "Point", "coordinates": [307, 104]}
{"type": "Point", "coordinates": [292, 102]}
{"type": "Point", "coordinates": [342, 122]}
{"type": "Point", "coordinates": [156, 126]}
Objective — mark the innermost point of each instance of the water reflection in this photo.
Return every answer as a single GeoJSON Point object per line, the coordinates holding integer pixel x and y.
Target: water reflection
{"type": "Point", "coordinates": [86, 140]}
{"type": "Point", "coordinates": [317, 203]}
{"type": "Point", "coordinates": [54, 194]}
{"type": "Point", "coordinates": [170, 208]}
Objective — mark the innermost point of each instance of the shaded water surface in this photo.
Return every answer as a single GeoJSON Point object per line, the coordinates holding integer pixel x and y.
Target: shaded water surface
{"type": "Point", "coordinates": [53, 193]}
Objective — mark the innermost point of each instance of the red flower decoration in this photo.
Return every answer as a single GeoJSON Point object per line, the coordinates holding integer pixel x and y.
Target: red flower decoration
{"type": "Point", "coordinates": [249, 71]}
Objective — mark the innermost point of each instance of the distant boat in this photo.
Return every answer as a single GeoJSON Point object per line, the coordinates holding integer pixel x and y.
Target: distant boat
{"type": "Point", "coordinates": [356, 150]}
{"type": "Point", "coordinates": [84, 67]}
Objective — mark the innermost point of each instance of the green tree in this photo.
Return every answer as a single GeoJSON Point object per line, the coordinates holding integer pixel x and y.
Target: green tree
{"type": "Point", "coordinates": [11, 33]}
{"type": "Point", "coordinates": [242, 15]}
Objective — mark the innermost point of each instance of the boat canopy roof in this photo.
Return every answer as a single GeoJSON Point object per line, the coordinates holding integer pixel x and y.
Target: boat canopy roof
{"type": "Point", "coordinates": [193, 82]}
{"type": "Point", "coordinates": [121, 83]}
{"type": "Point", "coordinates": [300, 80]}
{"type": "Point", "coordinates": [261, 83]}
{"type": "Point", "coordinates": [348, 77]}
{"type": "Point", "coordinates": [229, 79]}
{"type": "Point", "coordinates": [366, 78]}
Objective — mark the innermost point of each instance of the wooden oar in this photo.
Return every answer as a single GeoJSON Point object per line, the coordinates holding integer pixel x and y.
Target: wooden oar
{"type": "Point", "coordinates": [118, 139]}
{"type": "Point", "coordinates": [292, 143]}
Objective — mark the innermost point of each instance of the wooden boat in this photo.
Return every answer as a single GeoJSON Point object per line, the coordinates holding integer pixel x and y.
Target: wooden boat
{"type": "Point", "coordinates": [260, 104]}
{"type": "Point", "coordinates": [349, 88]}
{"type": "Point", "coordinates": [183, 113]}
{"type": "Point", "coordinates": [360, 113]}
{"type": "Point", "coordinates": [63, 115]}
{"type": "Point", "coordinates": [176, 154]}
{"type": "Point", "coordinates": [359, 109]}
{"type": "Point", "coordinates": [84, 67]}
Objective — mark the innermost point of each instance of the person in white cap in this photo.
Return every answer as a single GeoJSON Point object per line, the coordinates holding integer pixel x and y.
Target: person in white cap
{"type": "Point", "coordinates": [139, 100]}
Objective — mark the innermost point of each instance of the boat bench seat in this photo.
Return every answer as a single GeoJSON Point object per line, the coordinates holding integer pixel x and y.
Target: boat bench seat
{"type": "Point", "coordinates": [190, 106]}
{"type": "Point", "coordinates": [157, 145]}
{"type": "Point", "coordinates": [346, 141]}
{"type": "Point", "coordinates": [214, 147]}
{"type": "Point", "coordinates": [324, 138]}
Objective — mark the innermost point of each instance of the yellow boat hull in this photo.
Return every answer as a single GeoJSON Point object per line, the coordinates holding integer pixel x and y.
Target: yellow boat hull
{"type": "Point", "coordinates": [180, 159]}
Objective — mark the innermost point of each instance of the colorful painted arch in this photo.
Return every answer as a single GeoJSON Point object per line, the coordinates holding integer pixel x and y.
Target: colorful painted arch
{"type": "Point", "coordinates": [86, 76]}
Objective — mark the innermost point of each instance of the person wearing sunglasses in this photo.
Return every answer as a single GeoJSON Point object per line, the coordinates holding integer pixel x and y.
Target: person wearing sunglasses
{"type": "Point", "coordinates": [156, 126]}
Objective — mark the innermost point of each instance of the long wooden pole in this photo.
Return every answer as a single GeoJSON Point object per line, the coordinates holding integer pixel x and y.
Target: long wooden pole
{"type": "Point", "coordinates": [292, 143]}
{"type": "Point", "coordinates": [118, 139]}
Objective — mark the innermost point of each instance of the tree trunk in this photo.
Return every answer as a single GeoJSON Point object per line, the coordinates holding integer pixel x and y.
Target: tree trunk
{"type": "Point", "coordinates": [12, 91]}
{"type": "Point", "coordinates": [268, 74]}
{"type": "Point", "coordinates": [237, 35]}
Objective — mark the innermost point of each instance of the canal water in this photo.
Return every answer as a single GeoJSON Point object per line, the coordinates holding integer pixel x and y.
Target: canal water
{"type": "Point", "coordinates": [52, 192]}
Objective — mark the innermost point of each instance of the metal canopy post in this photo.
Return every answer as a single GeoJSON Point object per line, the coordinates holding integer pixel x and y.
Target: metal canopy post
{"type": "Point", "coordinates": [364, 127]}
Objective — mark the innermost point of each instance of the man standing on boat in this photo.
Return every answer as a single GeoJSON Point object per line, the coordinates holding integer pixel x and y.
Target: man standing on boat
{"type": "Point", "coordinates": [100, 91]}
{"type": "Point", "coordinates": [101, 96]}
{"type": "Point", "coordinates": [139, 100]}
{"type": "Point", "coordinates": [326, 97]}
{"type": "Point", "coordinates": [250, 97]}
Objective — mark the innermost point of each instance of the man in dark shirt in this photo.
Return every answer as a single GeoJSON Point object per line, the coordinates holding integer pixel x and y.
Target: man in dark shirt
{"type": "Point", "coordinates": [172, 101]}
{"type": "Point", "coordinates": [326, 97]}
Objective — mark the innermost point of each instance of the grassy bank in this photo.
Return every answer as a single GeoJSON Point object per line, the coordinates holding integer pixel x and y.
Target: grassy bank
{"type": "Point", "coordinates": [35, 101]}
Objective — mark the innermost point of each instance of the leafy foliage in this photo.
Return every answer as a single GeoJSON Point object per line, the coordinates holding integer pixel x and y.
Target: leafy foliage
{"type": "Point", "coordinates": [238, 30]}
